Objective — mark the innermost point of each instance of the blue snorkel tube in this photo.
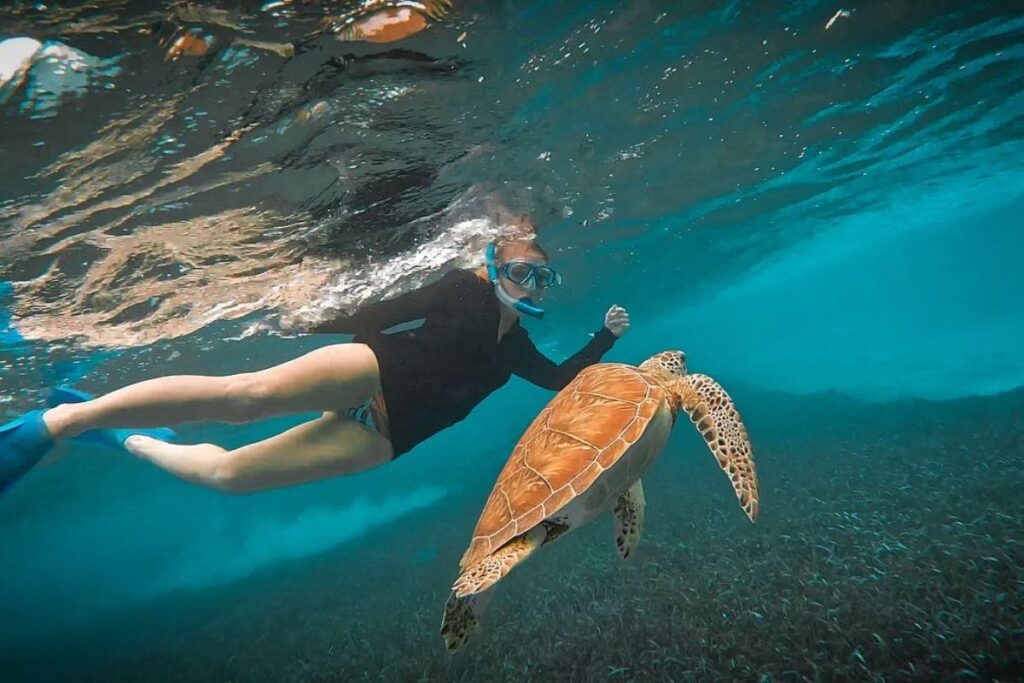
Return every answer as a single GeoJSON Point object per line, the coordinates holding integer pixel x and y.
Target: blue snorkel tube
{"type": "Point", "coordinates": [523, 305]}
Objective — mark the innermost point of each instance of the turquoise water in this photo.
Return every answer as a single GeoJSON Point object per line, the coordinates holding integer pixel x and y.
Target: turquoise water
{"type": "Point", "coordinates": [826, 220]}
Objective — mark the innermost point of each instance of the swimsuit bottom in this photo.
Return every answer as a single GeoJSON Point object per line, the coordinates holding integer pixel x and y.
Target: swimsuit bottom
{"type": "Point", "coordinates": [372, 414]}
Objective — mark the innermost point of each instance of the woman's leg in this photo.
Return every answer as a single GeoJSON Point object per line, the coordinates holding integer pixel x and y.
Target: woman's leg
{"type": "Point", "coordinates": [335, 377]}
{"type": "Point", "coordinates": [328, 446]}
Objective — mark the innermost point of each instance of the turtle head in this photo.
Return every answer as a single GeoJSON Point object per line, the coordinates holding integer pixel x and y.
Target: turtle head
{"type": "Point", "coordinates": [667, 365]}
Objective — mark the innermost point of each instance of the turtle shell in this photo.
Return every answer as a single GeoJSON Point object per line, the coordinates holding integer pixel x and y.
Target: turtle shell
{"type": "Point", "coordinates": [580, 434]}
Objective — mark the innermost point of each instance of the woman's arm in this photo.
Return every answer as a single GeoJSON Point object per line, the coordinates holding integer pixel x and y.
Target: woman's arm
{"type": "Point", "coordinates": [535, 367]}
{"type": "Point", "coordinates": [403, 308]}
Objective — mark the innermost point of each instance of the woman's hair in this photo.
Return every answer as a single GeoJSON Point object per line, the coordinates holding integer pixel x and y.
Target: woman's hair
{"type": "Point", "coordinates": [519, 238]}
{"type": "Point", "coordinates": [510, 249]}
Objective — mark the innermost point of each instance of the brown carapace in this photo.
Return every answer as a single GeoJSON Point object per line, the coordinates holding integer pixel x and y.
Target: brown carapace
{"type": "Point", "coordinates": [583, 455]}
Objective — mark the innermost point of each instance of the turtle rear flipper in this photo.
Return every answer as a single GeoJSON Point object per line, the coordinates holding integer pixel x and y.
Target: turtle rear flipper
{"type": "Point", "coordinates": [714, 414]}
{"type": "Point", "coordinates": [462, 618]}
{"type": "Point", "coordinates": [492, 568]}
{"type": "Point", "coordinates": [470, 596]}
{"type": "Point", "coordinates": [470, 593]}
{"type": "Point", "coordinates": [629, 519]}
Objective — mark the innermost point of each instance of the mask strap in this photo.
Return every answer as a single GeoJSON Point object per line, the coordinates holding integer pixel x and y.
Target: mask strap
{"type": "Point", "coordinates": [492, 267]}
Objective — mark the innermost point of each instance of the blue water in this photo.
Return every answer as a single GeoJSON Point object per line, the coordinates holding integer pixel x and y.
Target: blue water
{"type": "Point", "coordinates": [826, 220]}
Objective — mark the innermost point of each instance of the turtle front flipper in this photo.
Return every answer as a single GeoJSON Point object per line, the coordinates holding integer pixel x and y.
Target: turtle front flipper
{"type": "Point", "coordinates": [489, 570]}
{"type": "Point", "coordinates": [714, 414]}
{"type": "Point", "coordinates": [629, 519]}
{"type": "Point", "coordinates": [462, 617]}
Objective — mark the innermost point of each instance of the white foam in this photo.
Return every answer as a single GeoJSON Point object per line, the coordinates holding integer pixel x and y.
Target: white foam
{"type": "Point", "coordinates": [459, 246]}
{"type": "Point", "coordinates": [16, 56]}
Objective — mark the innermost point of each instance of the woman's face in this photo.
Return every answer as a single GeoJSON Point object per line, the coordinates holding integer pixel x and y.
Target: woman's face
{"type": "Point", "coordinates": [519, 291]}
{"type": "Point", "coordinates": [523, 255]}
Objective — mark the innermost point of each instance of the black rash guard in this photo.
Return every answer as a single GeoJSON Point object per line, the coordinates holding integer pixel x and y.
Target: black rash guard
{"type": "Point", "coordinates": [440, 356]}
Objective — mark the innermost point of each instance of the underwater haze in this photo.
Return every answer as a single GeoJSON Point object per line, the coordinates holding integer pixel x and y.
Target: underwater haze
{"type": "Point", "coordinates": [820, 202]}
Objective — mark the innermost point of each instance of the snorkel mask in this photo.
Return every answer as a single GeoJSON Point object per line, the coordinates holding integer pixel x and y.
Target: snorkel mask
{"type": "Point", "coordinates": [529, 278]}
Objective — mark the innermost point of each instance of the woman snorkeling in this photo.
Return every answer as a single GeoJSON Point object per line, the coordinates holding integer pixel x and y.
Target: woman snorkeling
{"type": "Point", "coordinates": [418, 363]}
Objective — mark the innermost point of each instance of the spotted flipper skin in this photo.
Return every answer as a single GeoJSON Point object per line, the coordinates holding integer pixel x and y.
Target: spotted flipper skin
{"type": "Point", "coordinates": [462, 618]}
{"type": "Point", "coordinates": [629, 519]}
{"type": "Point", "coordinates": [485, 573]}
{"type": "Point", "coordinates": [714, 414]}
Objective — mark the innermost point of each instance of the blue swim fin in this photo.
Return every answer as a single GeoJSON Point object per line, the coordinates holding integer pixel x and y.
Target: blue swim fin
{"type": "Point", "coordinates": [112, 438]}
{"type": "Point", "coordinates": [23, 443]}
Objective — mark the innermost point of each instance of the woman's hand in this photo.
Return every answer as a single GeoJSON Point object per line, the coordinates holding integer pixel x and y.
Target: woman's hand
{"type": "Point", "coordinates": [617, 320]}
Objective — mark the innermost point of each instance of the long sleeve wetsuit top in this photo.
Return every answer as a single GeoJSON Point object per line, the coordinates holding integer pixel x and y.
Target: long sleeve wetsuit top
{"type": "Point", "coordinates": [439, 353]}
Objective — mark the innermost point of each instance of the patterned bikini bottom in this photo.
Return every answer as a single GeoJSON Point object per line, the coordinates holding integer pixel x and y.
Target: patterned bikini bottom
{"type": "Point", "coordinates": [372, 414]}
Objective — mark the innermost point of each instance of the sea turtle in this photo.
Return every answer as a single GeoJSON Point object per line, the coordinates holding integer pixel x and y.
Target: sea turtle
{"type": "Point", "coordinates": [583, 455]}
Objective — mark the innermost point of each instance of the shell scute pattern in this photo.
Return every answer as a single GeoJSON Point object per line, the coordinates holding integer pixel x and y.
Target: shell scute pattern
{"type": "Point", "coordinates": [584, 430]}
{"type": "Point", "coordinates": [591, 418]}
{"type": "Point", "coordinates": [635, 430]}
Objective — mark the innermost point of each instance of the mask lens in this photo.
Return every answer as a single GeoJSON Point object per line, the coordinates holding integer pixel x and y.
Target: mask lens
{"type": "Point", "coordinates": [518, 273]}
{"type": "Point", "coordinates": [547, 277]}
